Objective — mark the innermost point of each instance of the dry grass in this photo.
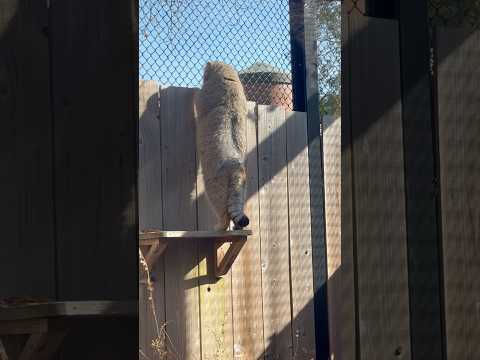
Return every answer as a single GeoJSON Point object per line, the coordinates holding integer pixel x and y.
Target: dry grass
{"type": "Point", "coordinates": [161, 344]}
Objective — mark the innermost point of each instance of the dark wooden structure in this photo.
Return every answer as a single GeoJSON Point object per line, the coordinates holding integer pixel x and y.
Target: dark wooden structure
{"type": "Point", "coordinates": [408, 282]}
{"type": "Point", "coordinates": [306, 98]}
{"type": "Point", "coordinates": [68, 135]}
{"type": "Point", "coordinates": [37, 331]}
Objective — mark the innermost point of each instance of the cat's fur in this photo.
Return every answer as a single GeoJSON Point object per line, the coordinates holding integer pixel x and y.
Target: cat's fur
{"type": "Point", "coordinates": [221, 112]}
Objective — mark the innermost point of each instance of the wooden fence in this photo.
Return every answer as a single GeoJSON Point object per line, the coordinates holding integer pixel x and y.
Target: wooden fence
{"type": "Point", "coordinates": [68, 151]}
{"type": "Point", "coordinates": [68, 184]}
{"type": "Point", "coordinates": [263, 308]}
{"type": "Point", "coordinates": [407, 285]}
{"type": "Point", "coordinates": [458, 98]}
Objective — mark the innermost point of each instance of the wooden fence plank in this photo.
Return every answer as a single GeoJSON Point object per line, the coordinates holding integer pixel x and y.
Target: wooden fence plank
{"type": "Point", "coordinates": [379, 190]}
{"type": "Point", "coordinates": [96, 142]}
{"type": "Point", "coordinates": [332, 172]}
{"type": "Point", "coordinates": [26, 176]}
{"type": "Point", "coordinates": [179, 175]}
{"type": "Point", "coordinates": [303, 314]}
{"type": "Point", "coordinates": [150, 213]}
{"type": "Point", "coordinates": [345, 346]}
{"type": "Point", "coordinates": [424, 260]}
{"type": "Point", "coordinates": [215, 294]}
{"type": "Point", "coordinates": [459, 145]}
{"type": "Point", "coordinates": [274, 232]}
{"type": "Point", "coordinates": [246, 270]}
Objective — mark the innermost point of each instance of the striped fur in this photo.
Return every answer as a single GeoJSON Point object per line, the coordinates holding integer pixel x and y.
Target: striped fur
{"type": "Point", "coordinates": [221, 111]}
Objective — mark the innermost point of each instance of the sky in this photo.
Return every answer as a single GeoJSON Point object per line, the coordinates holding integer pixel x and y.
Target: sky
{"type": "Point", "coordinates": [178, 37]}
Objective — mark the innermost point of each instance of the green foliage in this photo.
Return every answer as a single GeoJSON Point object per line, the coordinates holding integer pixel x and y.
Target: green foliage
{"type": "Point", "coordinates": [329, 56]}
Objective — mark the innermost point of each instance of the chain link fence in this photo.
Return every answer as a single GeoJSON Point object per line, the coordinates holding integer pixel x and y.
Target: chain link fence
{"type": "Point", "coordinates": [455, 13]}
{"type": "Point", "coordinates": [178, 37]}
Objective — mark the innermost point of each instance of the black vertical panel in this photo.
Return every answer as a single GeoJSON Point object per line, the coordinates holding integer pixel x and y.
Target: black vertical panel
{"type": "Point", "coordinates": [422, 235]}
{"type": "Point", "coordinates": [297, 44]}
{"type": "Point", "coordinates": [95, 86]}
{"type": "Point", "coordinates": [26, 200]}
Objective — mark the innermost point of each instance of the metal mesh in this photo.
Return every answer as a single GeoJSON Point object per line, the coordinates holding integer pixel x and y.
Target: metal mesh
{"type": "Point", "coordinates": [178, 37]}
{"type": "Point", "coordinates": [329, 56]}
{"type": "Point", "coordinates": [455, 13]}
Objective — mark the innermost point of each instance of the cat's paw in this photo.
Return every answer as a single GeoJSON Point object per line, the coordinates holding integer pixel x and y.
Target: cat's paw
{"type": "Point", "coordinates": [242, 222]}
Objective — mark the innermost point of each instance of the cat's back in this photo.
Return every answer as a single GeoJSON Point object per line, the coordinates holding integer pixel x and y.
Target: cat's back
{"type": "Point", "coordinates": [221, 89]}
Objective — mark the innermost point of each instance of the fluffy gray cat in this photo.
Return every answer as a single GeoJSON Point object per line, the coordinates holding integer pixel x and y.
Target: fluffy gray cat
{"type": "Point", "coordinates": [221, 112]}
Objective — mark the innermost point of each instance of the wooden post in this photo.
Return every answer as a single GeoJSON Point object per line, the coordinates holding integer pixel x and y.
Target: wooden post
{"type": "Point", "coordinates": [306, 98]}
{"type": "Point", "coordinates": [420, 168]}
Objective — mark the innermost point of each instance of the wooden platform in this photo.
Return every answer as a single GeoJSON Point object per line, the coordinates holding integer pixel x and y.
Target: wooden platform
{"type": "Point", "coordinates": [46, 324]}
{"type": "Point", "coordinates": [226, 245]}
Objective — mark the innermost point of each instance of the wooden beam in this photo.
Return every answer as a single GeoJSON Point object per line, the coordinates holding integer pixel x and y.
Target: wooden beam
{"type": "Point", "coordinates": [3, 352]}
{"type": "Point", "coordinates": [68, 308]}
{"type": "Point", "coordinates": [224, 260]}
{"type": "Point", "coordinates": [50, 345]}
{"type": "Point", "coordinates": [34, 342]}
{"type": "Point", "coordinates": [306, 98]}
{"type": "Point", "coordinates": [158, 234]}
{"type": "Point", "coordinates": [154, 253]}
{"type": "Point", "coordinates": [420, 171]}
{"type": "Point", "coordinates": [23, 326]}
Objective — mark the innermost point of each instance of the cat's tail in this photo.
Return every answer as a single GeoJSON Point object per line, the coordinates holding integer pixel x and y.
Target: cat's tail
{"type": "Point", "coordinates": [236, 196]}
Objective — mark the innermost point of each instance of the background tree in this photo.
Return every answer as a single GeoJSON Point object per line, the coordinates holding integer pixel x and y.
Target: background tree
{"type": "Point", "coordinates": [329, 56]}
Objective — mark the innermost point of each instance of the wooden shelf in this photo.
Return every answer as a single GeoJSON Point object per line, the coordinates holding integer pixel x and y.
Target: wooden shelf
{"type": "Point", "coordinates": [47, 323]}
{"type": "Point", "coordinates": [155, 242]}
{"type": "Point", "coordinates": [68, 308]}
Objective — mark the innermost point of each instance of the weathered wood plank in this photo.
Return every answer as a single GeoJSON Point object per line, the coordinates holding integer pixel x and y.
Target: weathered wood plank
{"type": "Point", "coordinates": [424, 269]}
{"type": "Point", "coordinates": [247, 271]}
{"type": "Point", "coordinates": [379, 189]}
{"type": "Point", "coordinates": [459, 144]}
{"type": "Point", "coordinates": [344, 346]}
{"type": "Point", "coordinates": [215, 294]}
{"type": "Point", "coordinates": [96, 144]}
{"type": "Point", "coordinates": [332, 173]}
{"type": "Point", "coordinates": [32, 346]}
{"type": "Point", "coordinates": [23, 326]}
{"type": "Point", "coordinates": [303, 314]}
{"type": "Point", "coordinates": [230, 235]}
{"type": "Point", "coordinates": [49, 347]}
{"type": "Point", "coordinates": [68, 308]}
{"type": "Point", "coordinates": [179, 176]}
{"type": "Point", "coordinates": [26, 175]}
{"type": "Point", "coordinates": [274, 232]}
{"type": "Point", "coordinates": [150, 210]}
{"type": "Point", "coordinates": [150, 214]}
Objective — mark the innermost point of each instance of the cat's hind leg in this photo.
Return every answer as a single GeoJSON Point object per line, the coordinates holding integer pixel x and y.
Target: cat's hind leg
{"type": "Point", "coordinates": [236, 196]}
{"type": "Point", "coordinates": [217, 188]}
